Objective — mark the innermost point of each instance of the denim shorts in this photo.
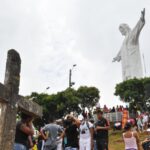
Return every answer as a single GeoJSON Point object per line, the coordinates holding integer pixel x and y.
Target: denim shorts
{"type": "Point", "coordinates": [19, 147]}
{"type": "Point", "coordinates": [131, 149]}
{"type": "Point", "coordinates": [50, 148]}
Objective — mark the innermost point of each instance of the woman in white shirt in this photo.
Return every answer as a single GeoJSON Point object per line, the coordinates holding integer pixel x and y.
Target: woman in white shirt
{"type": "Point", "coordinates": [131, 139]}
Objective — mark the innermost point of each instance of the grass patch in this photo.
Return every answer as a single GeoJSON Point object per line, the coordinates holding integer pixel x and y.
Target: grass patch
{"type": "Point", "coordinates": [116, 141]}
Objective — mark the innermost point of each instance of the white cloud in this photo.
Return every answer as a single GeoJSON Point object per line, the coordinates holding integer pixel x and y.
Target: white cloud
{"type": "Point", "coordinates": [52, 35]}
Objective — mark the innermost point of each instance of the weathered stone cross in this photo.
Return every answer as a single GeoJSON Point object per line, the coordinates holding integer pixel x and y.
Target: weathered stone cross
{"type": "Point", "coordinates": [11, 102]}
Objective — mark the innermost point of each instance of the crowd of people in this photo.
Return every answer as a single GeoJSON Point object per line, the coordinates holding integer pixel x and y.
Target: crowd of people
{"type": "Point", "coordinates": [114, 109]}
{"type": "Point", "coordinates": [81, 133]}
{"type": "Point", "coordinates": [68, 134]}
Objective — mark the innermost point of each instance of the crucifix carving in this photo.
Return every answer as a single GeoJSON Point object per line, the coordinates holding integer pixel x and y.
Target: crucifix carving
{"type": "Point", "coordinates": [11, 101]}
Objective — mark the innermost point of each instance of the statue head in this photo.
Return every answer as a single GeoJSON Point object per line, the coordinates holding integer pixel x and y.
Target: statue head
{"type": "Point", "coordinates": [124, 29]}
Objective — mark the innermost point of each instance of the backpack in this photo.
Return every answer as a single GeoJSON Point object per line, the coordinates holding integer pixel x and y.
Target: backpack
{"type": "Point", "coordinates": [87, 124]}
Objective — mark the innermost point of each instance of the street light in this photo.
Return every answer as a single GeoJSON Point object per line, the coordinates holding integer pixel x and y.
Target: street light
{"type": "Point", "coordinates": [74, 65]}
{"type": "Point", "coordinates": [70, 75]}
{"type": "Point", "coordinates": [47, 88]}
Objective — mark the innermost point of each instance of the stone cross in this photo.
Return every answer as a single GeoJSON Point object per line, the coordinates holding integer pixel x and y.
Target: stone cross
{"type": "Point", "coordinates": [11, 101]}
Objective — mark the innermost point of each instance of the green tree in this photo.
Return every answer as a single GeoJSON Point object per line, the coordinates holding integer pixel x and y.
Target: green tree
{"type": "Point", "coordinates": [56, 105]}
{"type": "Point", "coordinates": [49, 107]}
{"type": "Point", "coordinates": [62, 103]}
{"type": "Point", "coordinates": [67, 101]}
{"type": "Point", "coordinates": [146, 82]}
{"type": "Point", "coordinates": [89, 96]}
{"type": "Point", "coordinates": [133, 91]}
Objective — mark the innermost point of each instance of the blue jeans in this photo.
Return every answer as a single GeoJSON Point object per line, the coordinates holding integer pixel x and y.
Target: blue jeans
{"type": "Point", "coordinates": [70, 148]}
{"type": "Point", "coordinates": [95, 146]}
{"type": "Point", "coordinates": [19, 147]}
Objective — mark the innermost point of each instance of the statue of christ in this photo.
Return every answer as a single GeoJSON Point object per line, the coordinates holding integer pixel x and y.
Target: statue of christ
{"type": "Point", "coordinates": [129, 54]}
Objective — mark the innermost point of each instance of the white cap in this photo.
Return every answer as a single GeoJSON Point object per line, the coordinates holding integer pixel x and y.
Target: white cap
{"type": "Point", "coordinates": [148, 130]}
{"type": "Point", "coordinates": [80, 117]}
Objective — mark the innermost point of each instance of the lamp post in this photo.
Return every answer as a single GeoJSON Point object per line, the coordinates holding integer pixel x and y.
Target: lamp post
{"type": "Point", "coordinates": [47, 88]}
{"type": "Point", "coordinates": [70, 75]}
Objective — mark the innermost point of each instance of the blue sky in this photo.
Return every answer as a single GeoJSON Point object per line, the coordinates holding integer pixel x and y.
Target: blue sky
{"type": "Point", "coordinates": [52, 35]}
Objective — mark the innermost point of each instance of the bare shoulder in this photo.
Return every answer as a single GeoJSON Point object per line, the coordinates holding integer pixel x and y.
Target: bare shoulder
{"type": "Point", "coordinates": [135, 133]}
{"type": "Point", "coordinates": [23, 125]}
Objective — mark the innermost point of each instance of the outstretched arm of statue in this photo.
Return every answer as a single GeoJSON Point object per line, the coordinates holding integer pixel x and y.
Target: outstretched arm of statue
{"type": "Point", "coordinates": [137, 29]}
{"type": "Point", "coordinates": [143, 15]}
{"type": "Point", "coordinates": [117, 58]}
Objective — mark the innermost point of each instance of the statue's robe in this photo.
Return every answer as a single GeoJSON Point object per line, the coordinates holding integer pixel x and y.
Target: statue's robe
{"type": "Point", "coordinates": [130, 54]}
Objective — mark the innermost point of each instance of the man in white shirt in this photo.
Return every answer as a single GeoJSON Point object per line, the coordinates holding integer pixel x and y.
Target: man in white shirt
{"type": "Point", "coordinates": [86, 135]}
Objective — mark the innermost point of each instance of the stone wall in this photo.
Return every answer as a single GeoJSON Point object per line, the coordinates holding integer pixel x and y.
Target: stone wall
{"type": "Point", "coordinates": [2, 117]}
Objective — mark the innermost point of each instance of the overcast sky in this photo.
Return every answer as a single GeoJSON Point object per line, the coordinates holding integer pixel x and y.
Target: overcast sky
{"type": "Point", "coordinates": [52, 35]}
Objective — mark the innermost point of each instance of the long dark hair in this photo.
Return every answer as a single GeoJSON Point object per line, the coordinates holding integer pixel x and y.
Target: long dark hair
{"type": "Point", "coordinates": [127, 126]}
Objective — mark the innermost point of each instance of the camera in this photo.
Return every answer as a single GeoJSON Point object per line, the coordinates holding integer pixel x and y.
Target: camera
{"type": "Point", "coordinates": [83, 132]}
